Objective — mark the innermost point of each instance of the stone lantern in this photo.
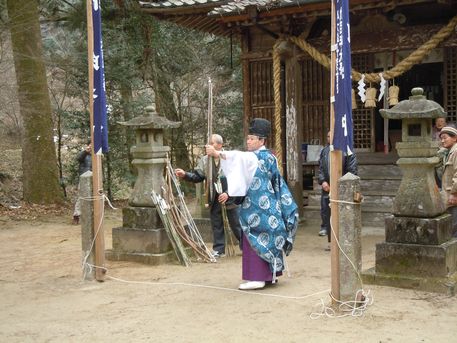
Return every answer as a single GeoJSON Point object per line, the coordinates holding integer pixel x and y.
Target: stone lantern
{"type": "Point", "coordinates": [149, 155]}
{"type": "Point", "coordinates": [418, 195]}
{"type": "Point", "coordinates": [418, 252]}
{"type": "Point", "coordinates": [142, 237]}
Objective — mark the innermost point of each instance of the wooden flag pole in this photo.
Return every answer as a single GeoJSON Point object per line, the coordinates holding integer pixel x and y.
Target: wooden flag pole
{"type": "Point", "coordinates": [336, 167]}
{"type": "Point", "coordinates": [97, 176]}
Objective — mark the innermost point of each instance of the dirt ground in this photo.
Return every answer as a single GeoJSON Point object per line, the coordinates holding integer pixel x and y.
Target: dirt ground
{"type": "Point", "coordinates": [43, 297]}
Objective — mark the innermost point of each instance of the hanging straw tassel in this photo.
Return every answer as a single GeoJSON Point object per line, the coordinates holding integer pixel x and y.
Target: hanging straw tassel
{"type": "Point", "coordinates": [354, 101]}
{"type": "Point", "coordinates": [371, 97]}
{"type": "Point", "coordinates": [393, 95]}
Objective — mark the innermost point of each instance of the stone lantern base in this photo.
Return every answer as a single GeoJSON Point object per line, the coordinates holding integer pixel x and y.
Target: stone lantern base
{"type": "Point", "coordinates": [141, 238]}
{"type": "Point", "coordinates": [419, 253]}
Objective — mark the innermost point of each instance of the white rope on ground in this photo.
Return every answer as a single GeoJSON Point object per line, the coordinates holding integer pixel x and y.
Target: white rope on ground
{"type": "Point", "coordinates": [352, 308]}
{"type": "Point", "coordinates": [195, 285]}
{"type": "Point", "coordinates": [151, 283]}
{"type": "Point", "coordinates": [362, 299]}
{"type": "Point", "coordinates": [87, 267]}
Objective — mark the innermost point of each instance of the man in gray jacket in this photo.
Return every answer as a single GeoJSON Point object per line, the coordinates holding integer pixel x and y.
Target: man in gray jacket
{"type": "Point", "coordinates": [349, 166]}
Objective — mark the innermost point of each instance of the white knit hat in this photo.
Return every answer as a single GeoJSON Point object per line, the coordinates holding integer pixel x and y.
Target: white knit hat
{"type": "Point", "coordinates": [449, 130]}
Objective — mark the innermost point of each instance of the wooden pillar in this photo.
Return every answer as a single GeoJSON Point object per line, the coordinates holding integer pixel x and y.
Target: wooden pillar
{"type": "Point", "coordinates": [293, 132]}
{"type": "Point", "coordinates": [336, 166]}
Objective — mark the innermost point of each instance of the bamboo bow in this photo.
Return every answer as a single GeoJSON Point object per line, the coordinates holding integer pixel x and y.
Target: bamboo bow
{"type": "Point", "coordinates": [209, 167]}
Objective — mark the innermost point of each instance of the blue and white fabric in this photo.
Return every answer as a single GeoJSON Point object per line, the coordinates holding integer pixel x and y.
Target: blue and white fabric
{"type": "Point", "coordinates": [268, 214]}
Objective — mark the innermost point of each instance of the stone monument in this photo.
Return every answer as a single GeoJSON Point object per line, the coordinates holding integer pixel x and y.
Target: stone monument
{"type": "Point", "coordinates": [142, 237]}
{"type": "Point", "coordinates": [419, 251]}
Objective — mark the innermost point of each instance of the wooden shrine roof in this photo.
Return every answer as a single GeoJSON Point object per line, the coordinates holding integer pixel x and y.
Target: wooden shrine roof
{"type": "Point", "coordinates": [207, 15]}
{"type": "Point", "coordinates": [221, 17]}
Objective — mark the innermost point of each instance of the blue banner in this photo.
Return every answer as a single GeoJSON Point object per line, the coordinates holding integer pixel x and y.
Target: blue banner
{"type": "Point", "coordinates": [100, 113]}
{"type": "Point", "coordinates": [343, 132]}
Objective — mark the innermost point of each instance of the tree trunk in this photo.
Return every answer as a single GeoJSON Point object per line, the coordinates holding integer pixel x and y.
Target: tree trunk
{"type": "Point", "coordinates": [164, 102]}
{"type": "Point", "coordinates": [165, 105]}
{"type": "Point", "coordinates": [39, 163]}
{"type": "Point", "coordinates": [128, 134]}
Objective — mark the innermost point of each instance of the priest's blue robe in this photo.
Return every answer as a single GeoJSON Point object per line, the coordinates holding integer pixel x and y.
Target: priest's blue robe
{"type": "Point", "coordinates": [268, 214]}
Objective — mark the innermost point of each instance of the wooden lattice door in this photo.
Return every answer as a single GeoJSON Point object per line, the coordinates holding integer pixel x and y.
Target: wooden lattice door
{"type": "Point", "coordinates": [316, 101]}
{"type": "Point", "coordinates": [450, 83]}
{"type": "Point", "coordinates": [363, 118]}
{"type": "Point", "coordinates": [261, 93]}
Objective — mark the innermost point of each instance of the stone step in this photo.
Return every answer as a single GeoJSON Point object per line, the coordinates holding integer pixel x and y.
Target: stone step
{"type": "Point", "coordinates": [377, 176]}
{"type": "Point", "coordinates": [386, 171]}
{"type": "Point", "coordinates": [372, 217]}
{"type": "Point", "coordinates": [379, 185]}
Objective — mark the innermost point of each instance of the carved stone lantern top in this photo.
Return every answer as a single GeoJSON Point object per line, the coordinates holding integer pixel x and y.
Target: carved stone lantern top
{"type": "Point", "coordinates": [149, 131]}
{"type": "Point", "coordinates": [417, 106]}
{"type": "Point", "coordinates": [151, 120]}
{"type": "Point", "coordinates": [416, 114]}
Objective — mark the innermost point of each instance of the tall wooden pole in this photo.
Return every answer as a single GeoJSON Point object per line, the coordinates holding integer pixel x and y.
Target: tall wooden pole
{"type": "Point", "coordinates": [97, 176]}
{"type": "Point", "coordinates": [209, 167]}
{"type": "Point", "coordinates": [336, 166]}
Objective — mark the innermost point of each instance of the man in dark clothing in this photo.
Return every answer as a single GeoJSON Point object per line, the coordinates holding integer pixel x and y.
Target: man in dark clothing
{"type": "Point", "coordinates": [217, 224]}
{"type": "Point", "coordinates": [349, 166]}
{"type": "Point", "coordinates": [85, 164]}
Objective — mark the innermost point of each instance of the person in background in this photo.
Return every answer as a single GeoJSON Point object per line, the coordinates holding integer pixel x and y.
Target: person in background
{"type": "Point", "coordinates": [268, 214]}
{"type": "Point", "coordinates": [84, 159]}
{"type": "Point", "coordinates": [349, 166]}
{"type": "Point", "coordinates": [217, 223]}
{"type": "Point", "coordinates": [448, 137]}
{"type": "Point", "coordinates": [439, 124]}
{"type": "Point", "coordinates": [442, 151]}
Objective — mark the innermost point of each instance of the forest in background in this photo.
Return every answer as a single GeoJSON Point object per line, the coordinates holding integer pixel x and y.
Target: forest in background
{"type": "Point", "coordinates": [146, 61]}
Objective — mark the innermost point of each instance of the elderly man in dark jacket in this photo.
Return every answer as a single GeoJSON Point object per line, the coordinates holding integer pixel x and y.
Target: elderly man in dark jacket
{"type": "Point", "coordinates": [349, 166]}
{"type": "Point", "coordinates": [231, 203]}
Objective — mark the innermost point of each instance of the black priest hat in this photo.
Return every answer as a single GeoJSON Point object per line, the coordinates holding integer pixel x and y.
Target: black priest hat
{"type": "Point", "coordinates": [259, 127]}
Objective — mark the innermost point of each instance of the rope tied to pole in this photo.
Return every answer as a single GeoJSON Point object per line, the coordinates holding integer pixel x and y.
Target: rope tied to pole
{"type": "Point", "coordinates": [406, 64]}
{"type": "Point", "coordinates": [399, 69]}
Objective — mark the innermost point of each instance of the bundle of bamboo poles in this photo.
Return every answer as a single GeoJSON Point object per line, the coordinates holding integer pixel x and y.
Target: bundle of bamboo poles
{"type": "Point", "coordinates": [172, 232]}
{"type": "Point", "coordinates": [178, 221]}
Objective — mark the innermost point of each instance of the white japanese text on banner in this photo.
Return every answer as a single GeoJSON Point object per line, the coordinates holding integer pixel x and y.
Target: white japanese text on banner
{"type": "Point", "coordinates": [343, 132]}
{"type": "Point", "coordinates": [100, 113]}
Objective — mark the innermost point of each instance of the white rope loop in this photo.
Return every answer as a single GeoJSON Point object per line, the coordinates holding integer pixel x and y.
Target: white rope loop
{"type": "Point", "coordinates": [346, 202]}
{"type": "Point", "coordinates": [362, 299]}
{"type": "Point", "coordinates": [85, 266]}
{"type": "Point", "coordinates": [354, 307]}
